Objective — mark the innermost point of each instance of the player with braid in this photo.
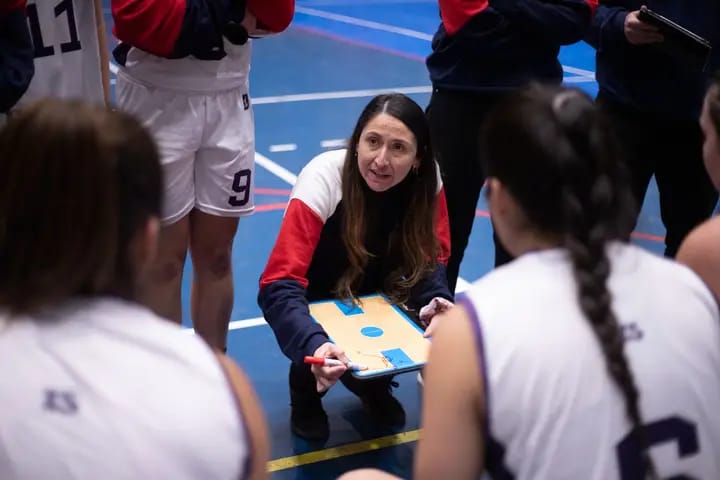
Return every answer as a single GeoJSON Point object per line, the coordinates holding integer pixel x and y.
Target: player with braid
{"type": "Point", "coordinates": [586, 353]}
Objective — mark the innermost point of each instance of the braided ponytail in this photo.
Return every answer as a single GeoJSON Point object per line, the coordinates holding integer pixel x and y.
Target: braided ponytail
{"type": "Point", "coordinates": [586, 244]}
{"type": "Point", "coordinates": [587, 214]}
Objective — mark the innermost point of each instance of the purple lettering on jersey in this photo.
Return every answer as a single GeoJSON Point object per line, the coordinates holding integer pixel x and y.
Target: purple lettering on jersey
{"type": "Point", "coordinates": [60, 401]}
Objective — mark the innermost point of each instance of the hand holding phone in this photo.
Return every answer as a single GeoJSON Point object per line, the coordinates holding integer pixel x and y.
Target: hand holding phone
{"type": "Point", "coordinates": [639, 32]}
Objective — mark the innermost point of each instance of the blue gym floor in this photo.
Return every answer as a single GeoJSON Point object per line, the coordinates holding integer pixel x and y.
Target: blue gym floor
{"type": "Point", "coordinates": [308, 87]}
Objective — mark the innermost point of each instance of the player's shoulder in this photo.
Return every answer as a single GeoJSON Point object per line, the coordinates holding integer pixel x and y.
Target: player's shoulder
{"type": "Point", "coordinates": [319, 184]}
{"type": "Point", "coordinates": [701, 245]}
{"type": "Point", "coordinates": [327, 165]}
{"type": "Point", "coordinates": [699, 251]}
{"type": "Point", "coordinates": [649, 266]}
{"type": "Point", "coordinates": [135, 326]}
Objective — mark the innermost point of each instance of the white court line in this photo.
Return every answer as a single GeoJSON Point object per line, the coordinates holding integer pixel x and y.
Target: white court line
{"type": "Point", "coordinates": [400, 31]}
{"type": "Point", "coordinates": [305, 97]}
{"type": "Point", "coordinates": [335, 143]}
{"type": "Point", "coordinates": [579, 79]}
{"type": "Point", "coordinates": [579, 71]}
{"type": "Point", "coordinates": [283, 147]}
{"type": "Point", "coordinates": [583, 76]}
{"type": "Point", "coordinates": [340, 94]}
{"type": "Point", "coordinates": [363, 23]}
{"type": "Point", "coordinates": [239, 324]}
{"type": "Point", "coordinates": [277, 170]}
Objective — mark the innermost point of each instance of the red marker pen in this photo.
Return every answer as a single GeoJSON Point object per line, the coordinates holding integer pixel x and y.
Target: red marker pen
{"type": "Point", "coordinates": [333, 362]}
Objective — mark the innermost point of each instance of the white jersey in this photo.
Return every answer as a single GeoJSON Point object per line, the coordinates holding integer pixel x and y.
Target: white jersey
{"type": "Point", "coordinates": [106, 389]}
{"type": "Point", "coordinates": [553, 411]}
{"type": "Point", "coordinates": [68, 59]}
{"type": "Point", "coordinates": [189, 74]}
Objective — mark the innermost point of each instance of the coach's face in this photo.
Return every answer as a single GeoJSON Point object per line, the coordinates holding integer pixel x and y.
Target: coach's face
{"type": "Point", "coordinates": [711, 145]}
{"type": "Point", "coordinates": [386, 152]}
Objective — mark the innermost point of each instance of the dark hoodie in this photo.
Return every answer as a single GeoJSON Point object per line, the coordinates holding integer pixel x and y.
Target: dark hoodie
{"type": "Point", "coordinates": [503, 44]}
{"type": "Point", "coordinates": [16, 55]}
{"type": "Point", "coordinates": [643, 77]}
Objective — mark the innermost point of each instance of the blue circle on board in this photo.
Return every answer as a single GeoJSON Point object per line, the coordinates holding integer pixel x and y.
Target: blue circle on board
{"type": "Point", "coordinates": [372, 331]}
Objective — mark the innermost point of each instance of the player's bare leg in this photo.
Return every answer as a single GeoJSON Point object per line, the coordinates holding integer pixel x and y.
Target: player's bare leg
{"type": "Point", "coordinates": [211, 239]}
{"type": "Point", "coordinates": [160, 290]}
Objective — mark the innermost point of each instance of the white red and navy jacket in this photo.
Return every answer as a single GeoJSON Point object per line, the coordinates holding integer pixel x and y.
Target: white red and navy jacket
{"type": "Point", "coordinates": [309, 255]}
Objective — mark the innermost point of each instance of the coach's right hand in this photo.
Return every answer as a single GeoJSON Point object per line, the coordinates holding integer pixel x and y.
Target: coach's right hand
{"type": "Point", "coordinates": [327, 376]}
{"type": "Point", "coordinates": [638, 32]}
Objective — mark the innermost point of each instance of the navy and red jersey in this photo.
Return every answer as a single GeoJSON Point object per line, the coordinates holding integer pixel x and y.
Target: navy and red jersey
{"type": "Point", "coordinates": [180, 28]}
{"type": "Point", "coordinates": [10, 5]}
{"type": "Point", "coordinates": [16, 53]}
{"type": "Point", "coordinates": [486, 45]}
{"type": "Point", "coordinates": [309, 256]}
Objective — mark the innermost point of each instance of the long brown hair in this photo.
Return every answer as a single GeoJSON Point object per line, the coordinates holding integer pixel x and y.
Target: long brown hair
{"type": "Point", "coordinates": [416, 241]}
{"type": "Point", "coordinates": [77, 182]}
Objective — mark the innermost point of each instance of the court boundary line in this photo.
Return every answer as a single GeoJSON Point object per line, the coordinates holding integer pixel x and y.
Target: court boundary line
{"type": "Point", "coordinates": [276, 169]}
{"type": "Point", "coordinates": [406, 32]}
{"type": "Point", "coordinates": [346, 450]}
{"type": "Point", "coordinates": [314, 12]}
{"type": "Point", "coordinates": [338, 94]}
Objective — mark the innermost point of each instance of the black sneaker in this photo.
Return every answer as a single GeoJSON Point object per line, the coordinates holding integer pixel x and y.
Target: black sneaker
{"type": "Point", "coordinates": [383, 407]}
{"type": "Point", "coordinates": [307, 417]}
{"type": "Point", "coordinates": [309, 421]}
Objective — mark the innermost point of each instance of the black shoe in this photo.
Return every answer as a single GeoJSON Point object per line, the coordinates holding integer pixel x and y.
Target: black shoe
{"type": "Point", "coordinates": [383, 407]}
{"type": "Point", "coordinates": [307, 417]}
{"type": "Point", "coordinates": [309, 421]}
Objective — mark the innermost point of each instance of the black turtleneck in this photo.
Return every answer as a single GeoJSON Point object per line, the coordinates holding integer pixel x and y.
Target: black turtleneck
{"type": "Point", "coordinates": [384, 212]}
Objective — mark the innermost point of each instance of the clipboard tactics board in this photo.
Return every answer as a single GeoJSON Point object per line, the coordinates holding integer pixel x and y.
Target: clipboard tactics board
{"type": "Point", "coordinates": [374, 333]}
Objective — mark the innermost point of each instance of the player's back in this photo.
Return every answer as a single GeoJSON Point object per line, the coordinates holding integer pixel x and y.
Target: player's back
{"type": "Point", "coordinates": [554, 411]}
{"type": "Point", "coordinates": [69, 57]}
{"type": "Point", "coordinates": [105, 389]}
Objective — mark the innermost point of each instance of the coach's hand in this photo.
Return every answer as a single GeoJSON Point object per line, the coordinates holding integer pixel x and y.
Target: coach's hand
{"type": "Point", "coordinates": [429, 312]}
{"type": "Point", "coordinates": [638, 32]}
{"type": "Point", "coordinates": [327, 376]}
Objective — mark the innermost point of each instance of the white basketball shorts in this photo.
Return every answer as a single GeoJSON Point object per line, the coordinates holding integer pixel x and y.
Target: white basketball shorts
{"type": "Point", "coordinates": [206, 143]}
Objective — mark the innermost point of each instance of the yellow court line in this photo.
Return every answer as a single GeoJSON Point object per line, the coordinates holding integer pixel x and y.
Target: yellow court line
{"type": "Point", "coordinates": [343, 450]}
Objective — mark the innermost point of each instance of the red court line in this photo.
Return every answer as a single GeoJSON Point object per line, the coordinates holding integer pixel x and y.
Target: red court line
{"type": "Point", "coordinates": [273, 191]}
{"type": "Point", "coordinates": [357, 43]}
{"type": "Point", "coordinates": [647, 236]}
{"type": "Point", "coordinates": [268, 207]}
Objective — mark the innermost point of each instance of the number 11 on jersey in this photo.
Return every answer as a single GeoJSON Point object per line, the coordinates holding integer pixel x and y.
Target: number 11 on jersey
{"type": "Point", "coordinates": [64, 9]}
